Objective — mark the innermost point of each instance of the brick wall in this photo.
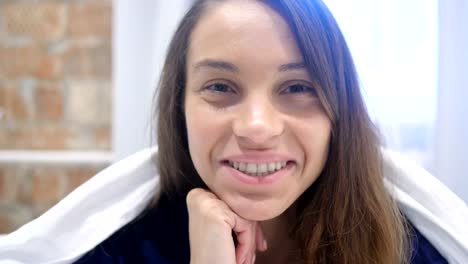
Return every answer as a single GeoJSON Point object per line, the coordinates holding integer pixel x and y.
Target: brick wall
{"type": "Point", "coordinates": [27, 190]}
{"type": "Point", "coordinates": [55, 94]}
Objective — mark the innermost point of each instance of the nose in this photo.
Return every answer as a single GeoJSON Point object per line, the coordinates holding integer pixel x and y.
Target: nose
{"type": "Point", "coordinates": [258, 125]}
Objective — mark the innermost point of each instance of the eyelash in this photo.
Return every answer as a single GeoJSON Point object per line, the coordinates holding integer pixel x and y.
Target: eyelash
{"type": "Point", "coordinates": [305, 89]}
{"type": "Point", "coordinates": [228, 88]}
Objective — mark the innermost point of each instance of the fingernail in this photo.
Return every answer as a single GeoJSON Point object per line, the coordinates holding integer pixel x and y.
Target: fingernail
{"type": "Point", "coordinates": [265, 245]}
{"type": "Point", "coordinates": [253, 259]}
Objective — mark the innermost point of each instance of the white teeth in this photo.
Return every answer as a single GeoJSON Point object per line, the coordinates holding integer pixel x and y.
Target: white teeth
{"type": "Point", "coordinates": [271, 166]}
{"type": "Point", "coordinates": [242, 166]}
{"type": "Point", "coordinates": [251, 168]}
{"type": "Point", "coordinates": [278, 165]}
{"type": "Point", "coordinates": [261, 169]}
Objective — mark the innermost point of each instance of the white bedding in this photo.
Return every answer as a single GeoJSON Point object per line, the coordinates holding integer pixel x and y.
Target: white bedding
{"type": "Point", "coordinates": [116, 195]}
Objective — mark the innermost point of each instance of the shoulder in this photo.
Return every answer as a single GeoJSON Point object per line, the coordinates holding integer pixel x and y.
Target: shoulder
{"type": "Point", "coordinates": [159, 235]}
{"type": "Point", "coordinates": [422, 251]}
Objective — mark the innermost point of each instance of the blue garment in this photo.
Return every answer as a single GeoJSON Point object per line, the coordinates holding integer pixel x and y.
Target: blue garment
{"type": "Point", "coordinates": [160, 236]}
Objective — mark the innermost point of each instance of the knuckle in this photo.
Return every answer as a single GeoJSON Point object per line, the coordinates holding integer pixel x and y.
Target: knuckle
{"type": "Point", "coordinates": [208, 205]}
{"type": "Point", "coordinates": [193, 195]}
{"type": "Point", "coordinates": [202, 200]}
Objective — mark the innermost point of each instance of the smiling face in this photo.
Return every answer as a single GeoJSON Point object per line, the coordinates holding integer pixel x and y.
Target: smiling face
{"type": "Point", "coordinates": [257, 132]}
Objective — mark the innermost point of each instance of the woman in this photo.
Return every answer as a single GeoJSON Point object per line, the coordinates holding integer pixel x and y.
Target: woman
{"type": "Point", "coordinates": [273, 82]}
{"type": "Point", "coordinates": [266, 151]}
{"type": "Point", "coordinates": [263, 132]}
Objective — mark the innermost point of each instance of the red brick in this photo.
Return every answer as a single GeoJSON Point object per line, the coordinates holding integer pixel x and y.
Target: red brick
{"type": "Point", "coordinates": [18, 106]}
{"type": "Point", "coordinates": [3, 185]}
{"type": "Point", "coordinates": [45, 186]}
{"type": "Point", "coordinates": [3, 97]}
{"type": "Point", "coordinates": [5, 141]}
{"type": "Point", "coordinates": [40, 20]}
{"type": "Point", "coordinates": [12, 180]}
{"type": "Point", "coordinates": [6, 223]}
{"type": "Point", "coordinates": [49, 103]}
{"type": "Point", "coordinates": [102, 136]}
{"type": "Point", "coordinates": [85, 137]}
{"type": "Point", "coordinates": [14, 103]}
{"type": "Point", "coordinates": [16, 62]}
{"type": "Point", "coordinates": [13, 216]}
{"type": "Point", "coordinates": [29, 61]}
{"type": "Point", "coordinates": [40, 137]}
{"type": "Point", "coordinates": [78, 176]}
{"type": "Point", "coordinates": [88, 62]}
{"type": "Point", "coordinates": [22, 137]}
{"type": "Point", "coordinates": [90, 19]}
{"type": "Point", "coordinates": [22, 178]}
{"type": "Point", "coordinates": [3, 109]}
{"type": "Point", "coordinates": [50, 67]}
{"type": "Point", "coordinates": [105, 111]}
{"type": "Point", "coordinates": [39, 209]}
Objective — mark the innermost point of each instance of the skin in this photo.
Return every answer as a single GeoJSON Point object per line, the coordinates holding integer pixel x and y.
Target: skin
{"type": "Point", "coordinates": [248, 95]}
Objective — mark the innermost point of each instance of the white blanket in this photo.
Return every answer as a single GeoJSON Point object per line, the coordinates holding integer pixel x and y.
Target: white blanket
{"type": "Point", "coordinates": [115, 196]}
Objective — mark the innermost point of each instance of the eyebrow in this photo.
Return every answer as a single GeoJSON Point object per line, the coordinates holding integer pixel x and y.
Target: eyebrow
{"type": "Point", "coordinates": [216, 64]}
{"type": "Point", "coordinates": [292, 67]}
{"type": "Point", "coordinates": [230, 67]}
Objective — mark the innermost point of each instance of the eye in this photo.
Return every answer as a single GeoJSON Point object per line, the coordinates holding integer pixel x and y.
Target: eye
{"type": "Point", "coordinates": [298, 88]}
{"type": "Point", "coordinates": [220, 94]}
{"type": "Point", "coordinates": [220, 88]}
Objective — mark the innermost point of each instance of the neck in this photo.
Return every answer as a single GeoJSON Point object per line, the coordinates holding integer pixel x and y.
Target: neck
{"type": "Point", "coordinates": [281, 247]}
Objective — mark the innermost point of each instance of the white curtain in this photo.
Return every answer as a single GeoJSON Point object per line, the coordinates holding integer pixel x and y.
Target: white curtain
{"type": "Point", "coordinates": [451, 144]}
{"type": "Point", "coordinates": [412, 60]}
{"type": "Point", "coordinates": [142, 31]}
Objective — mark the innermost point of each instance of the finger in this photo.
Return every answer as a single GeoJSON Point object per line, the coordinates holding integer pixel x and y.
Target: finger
{"type": "Point", "coordinates": [245, 235]}
{"type": "Point", "coordinates": [253, 247]}
{"type": "Point", "coordinates": [249, 259]}
{"type": "Point", "coordinates": [244, 248]}
{"type": "Point", "coordinates": [260, 240]}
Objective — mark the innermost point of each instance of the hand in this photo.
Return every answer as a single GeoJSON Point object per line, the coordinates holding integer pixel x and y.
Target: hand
{"type": "Point", "coordinates": [211, 223]}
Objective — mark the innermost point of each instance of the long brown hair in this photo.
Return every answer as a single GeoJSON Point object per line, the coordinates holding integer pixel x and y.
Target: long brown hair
{"type": "Point", "coordinates": [346, 216]}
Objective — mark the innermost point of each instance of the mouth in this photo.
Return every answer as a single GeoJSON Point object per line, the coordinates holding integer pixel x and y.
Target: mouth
{"type": "Point", "coordinates": [262, 169]}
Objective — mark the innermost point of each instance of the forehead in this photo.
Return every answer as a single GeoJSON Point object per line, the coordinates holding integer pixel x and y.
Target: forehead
{"type": "Point", "coordinates": [243, 29]}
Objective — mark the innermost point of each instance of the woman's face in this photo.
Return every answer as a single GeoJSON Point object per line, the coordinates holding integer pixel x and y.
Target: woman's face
{"type": "Point", "coordinates": [257, 132]}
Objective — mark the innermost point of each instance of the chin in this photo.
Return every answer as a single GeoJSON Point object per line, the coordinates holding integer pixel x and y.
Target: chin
{"type": "Point", "coordinates": [254, 210]}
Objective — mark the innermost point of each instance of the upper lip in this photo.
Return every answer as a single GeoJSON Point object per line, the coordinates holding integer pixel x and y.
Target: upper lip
{"type": "Point", "coordinates": [259, 157]}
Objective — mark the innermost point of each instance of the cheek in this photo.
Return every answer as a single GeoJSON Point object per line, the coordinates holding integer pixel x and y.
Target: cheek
{"type": "Point", "coordinates": [198, 146]}
{"type": "Point", "coordinates": [203, 133]}
{"type": "Point", "coordinates": [315, 140]}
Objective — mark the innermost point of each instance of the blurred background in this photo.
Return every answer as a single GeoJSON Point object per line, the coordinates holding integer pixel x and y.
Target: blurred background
{"type": "Point", "coordinates": [77, 78]}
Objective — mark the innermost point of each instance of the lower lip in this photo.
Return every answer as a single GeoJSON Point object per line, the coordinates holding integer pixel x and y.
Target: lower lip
{"type": "Point", "coordinates": [258, 180]}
